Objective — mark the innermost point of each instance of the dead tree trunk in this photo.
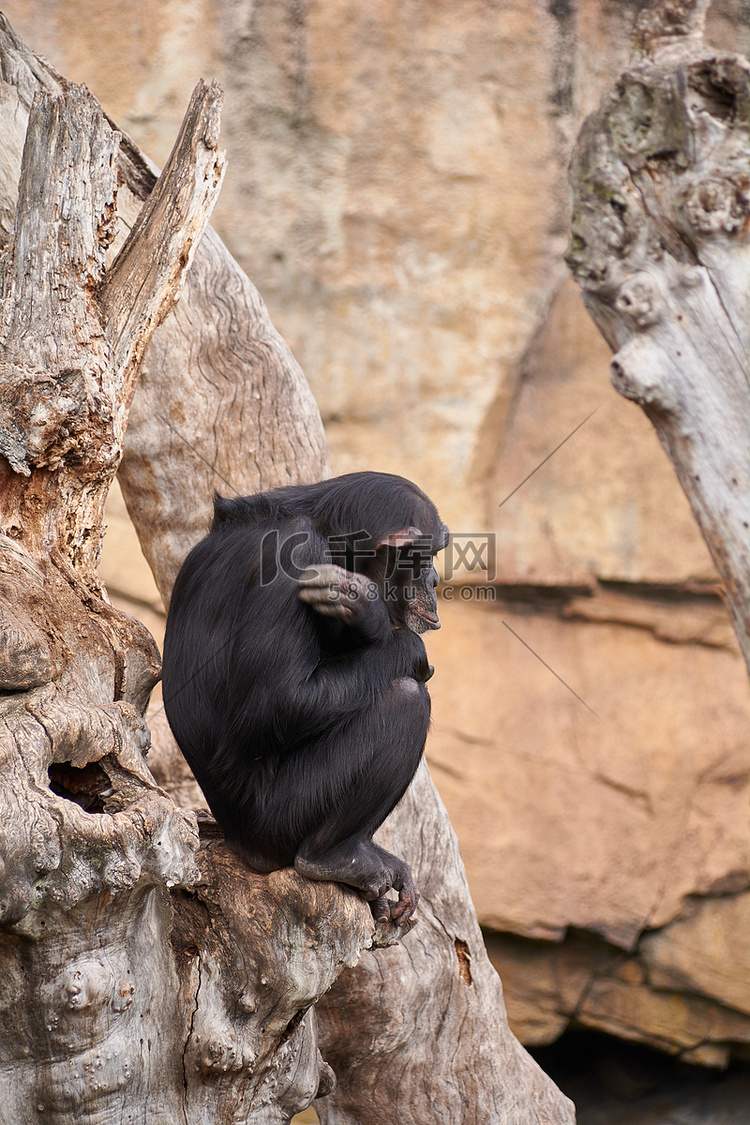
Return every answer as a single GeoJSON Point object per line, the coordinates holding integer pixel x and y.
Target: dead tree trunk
{"type": "Point", "coordinates": [137, 1001]}
{"type": "Point", "coordinates": [120, 1001]}
{"type": "Point", "coordinates": [660, 249]}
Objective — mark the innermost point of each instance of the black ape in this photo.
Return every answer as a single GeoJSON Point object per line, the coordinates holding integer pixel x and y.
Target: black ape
{"type": "Point", "coordinates": [294, 675]}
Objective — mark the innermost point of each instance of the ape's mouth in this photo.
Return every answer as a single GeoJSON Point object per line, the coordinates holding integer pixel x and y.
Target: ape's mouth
{"type": "Point", "coordinates": [424, 620]}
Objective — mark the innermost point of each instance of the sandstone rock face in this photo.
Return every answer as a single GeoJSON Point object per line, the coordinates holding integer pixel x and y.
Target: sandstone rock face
{"type": "Point", "coordinates": [396, 189]}
{"type": "Point", "coordinates": [610, 823]}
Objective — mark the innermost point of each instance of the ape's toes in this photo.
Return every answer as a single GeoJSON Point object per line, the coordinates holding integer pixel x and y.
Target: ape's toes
{"type": "Point", "coordinates": [401, 911]}
{"type": "Point", "coordinates": [381, 909]}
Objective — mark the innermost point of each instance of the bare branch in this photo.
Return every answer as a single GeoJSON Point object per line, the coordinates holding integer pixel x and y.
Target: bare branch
{"type": "Point", "coordinates": [145, 279]}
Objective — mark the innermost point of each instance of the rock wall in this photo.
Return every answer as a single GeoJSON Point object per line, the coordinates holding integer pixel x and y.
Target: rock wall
{"type": "Point", "coordinates": [396, 189]}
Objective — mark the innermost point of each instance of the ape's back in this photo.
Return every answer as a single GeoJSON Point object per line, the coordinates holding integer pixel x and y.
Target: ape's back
{"type": "Point", "coordinates": [237, 635]}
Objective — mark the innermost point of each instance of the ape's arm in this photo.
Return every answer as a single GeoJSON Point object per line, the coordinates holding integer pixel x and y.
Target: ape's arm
{"type": "Point", "coordinates": [319, 688]}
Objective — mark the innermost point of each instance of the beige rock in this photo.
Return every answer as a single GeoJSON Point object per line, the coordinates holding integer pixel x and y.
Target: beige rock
{"type": "Point", "coordinates": [612, 823]}
{"type": "Point", "coordinates": [584, 789]}
{"type": "Point", "coordinates": [606, 504]}
{"type": "Point", "coordinates": [707, 953]}
{"type": "Point", "coordinates": [677, 994]}
{"type": "Point", "coordinates": [674, 1021]}
{"type": "Point", "coordinates": [684, 621]}
{"type": "Point", "coordinates": [377, 149]}
{"type": "Point", "coordinates": [543, 983]}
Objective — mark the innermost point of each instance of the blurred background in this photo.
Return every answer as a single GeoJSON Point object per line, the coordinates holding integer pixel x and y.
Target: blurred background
{"type": "Point", "coordinates": [397, 191]}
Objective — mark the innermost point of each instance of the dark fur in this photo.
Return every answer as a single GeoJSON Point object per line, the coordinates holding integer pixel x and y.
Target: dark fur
{"type": "Point", "coordinates": [304, 730]}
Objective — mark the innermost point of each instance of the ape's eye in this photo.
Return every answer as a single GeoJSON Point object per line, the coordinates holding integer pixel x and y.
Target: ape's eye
{"type": "Point", "coordinates": [417, 557]}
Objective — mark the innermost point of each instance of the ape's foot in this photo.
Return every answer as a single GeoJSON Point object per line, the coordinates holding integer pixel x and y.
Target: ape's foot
{"type": "Point", "coordinates": [372, 870]}
{"type": "Point", "coordinates": [397, 911]}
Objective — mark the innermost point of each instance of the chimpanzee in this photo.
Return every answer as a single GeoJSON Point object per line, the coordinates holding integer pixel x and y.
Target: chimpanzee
{"type": "Point", "coordinates": [294, 673]}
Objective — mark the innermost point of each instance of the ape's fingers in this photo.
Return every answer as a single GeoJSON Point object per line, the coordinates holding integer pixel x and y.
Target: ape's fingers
{"type": "Point", "coordinates": [325, 574]}
{"type": "Point", "coordinates": [335, 592]}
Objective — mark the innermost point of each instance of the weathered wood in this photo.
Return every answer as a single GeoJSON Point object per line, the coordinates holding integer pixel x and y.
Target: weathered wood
{"type": "Point", "coordinates": [72, 336]}
{"type": "Point", "coordinates": [270, 946]}
{"type": "Point", "coordinates": [660, 249]}
{"type": "Point", "coordinates": [190, 1007]}
{"type": "Point", "coordinates": [139, 288]}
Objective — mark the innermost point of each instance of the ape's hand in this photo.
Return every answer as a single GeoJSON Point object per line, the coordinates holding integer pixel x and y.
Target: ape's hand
{"type": "Point", "coordinates": [336, 592]}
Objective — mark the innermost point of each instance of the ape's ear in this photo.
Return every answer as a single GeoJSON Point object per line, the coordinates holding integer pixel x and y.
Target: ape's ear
{"type": "Point", "coordinates": [403, 538]}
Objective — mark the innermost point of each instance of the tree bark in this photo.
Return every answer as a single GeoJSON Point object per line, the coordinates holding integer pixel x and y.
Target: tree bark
{"type": "Point", "coordinates": [660, 250]}
{"type": "Point", "coordinates": [221, 970]}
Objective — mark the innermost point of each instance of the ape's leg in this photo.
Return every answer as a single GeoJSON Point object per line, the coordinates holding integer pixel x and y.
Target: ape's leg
{"type": "Point", "coordinates": [378, 754]}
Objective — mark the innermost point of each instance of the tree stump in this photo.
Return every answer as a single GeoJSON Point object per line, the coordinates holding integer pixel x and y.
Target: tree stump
{"type": "Point", "coordinates": [121, 1001]}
